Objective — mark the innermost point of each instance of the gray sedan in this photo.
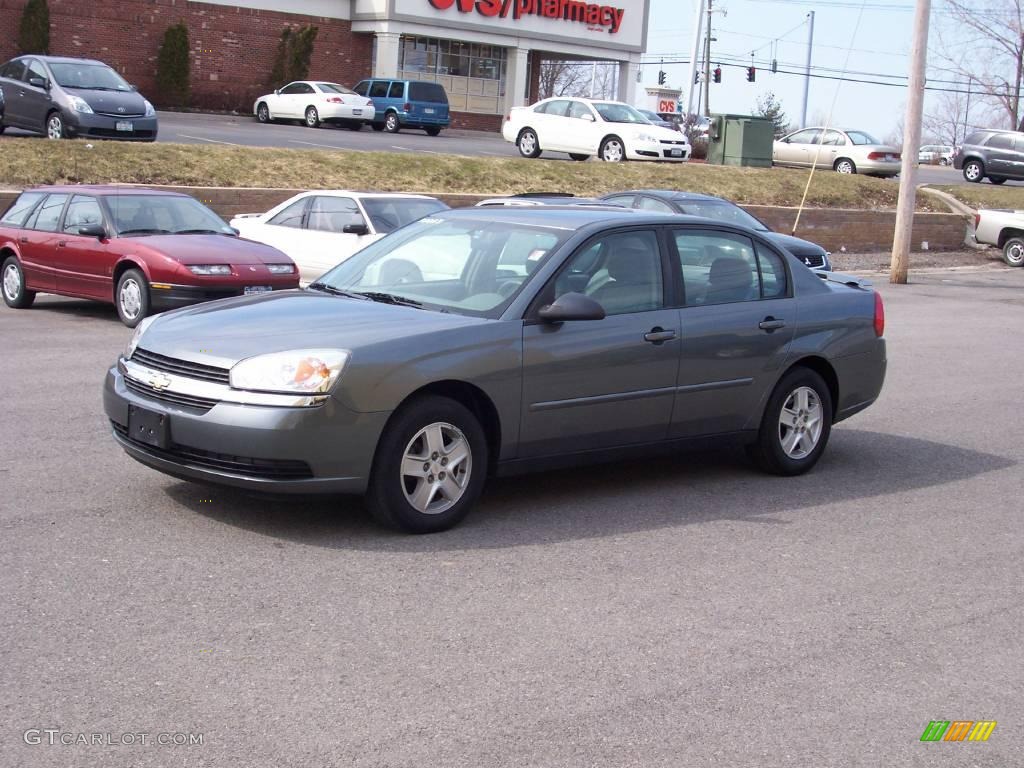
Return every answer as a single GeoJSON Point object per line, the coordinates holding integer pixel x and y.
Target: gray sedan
{"type": "Point", "coordinates": [482, 341]}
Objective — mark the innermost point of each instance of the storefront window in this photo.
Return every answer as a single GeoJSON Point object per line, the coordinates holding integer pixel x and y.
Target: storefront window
{"type": "Point", "coordinates": [472, 74]}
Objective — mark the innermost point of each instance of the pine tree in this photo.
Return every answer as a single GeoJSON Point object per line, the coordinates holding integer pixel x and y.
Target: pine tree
{"type": "Point", "coordinates": [174, 67]}
{"type": "Point", "coordinates": [294, 54]}
{"type": "Point", "coordinates": [34, 32]}
{"type": "Point", "coordinates": [770, 108]}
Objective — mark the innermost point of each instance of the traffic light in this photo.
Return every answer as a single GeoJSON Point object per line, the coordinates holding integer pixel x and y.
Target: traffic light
{"type": "Point", "coordinates": [775, 66]}
{"type": "Point", "coordinates": [751, 74]}
{"type": "Point", "coordinates": [696, 77]}
{"type": "Point", "coordinates": [718, 74]}
{"type": "Point", "coordinates": [661, 77]}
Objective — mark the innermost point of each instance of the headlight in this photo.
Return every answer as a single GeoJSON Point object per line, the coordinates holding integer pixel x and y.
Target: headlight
{"type": "Point", "coordinates": [80, 105]}
{"type": "Point", "coordinates": [280, 269]}
{"type": "Point", "coordinates": [150, 112]}
{"type": "Point", "coordinates": [647, 137]}
{"type": "Point", "coordinates": [300, 371]}
{"type": "Point", "coordinates": [209, 269]}
{"type": "Point", "coordinates": [137, 336]}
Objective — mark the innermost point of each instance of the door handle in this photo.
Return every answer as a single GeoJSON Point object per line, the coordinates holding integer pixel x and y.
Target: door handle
{"type": "Point", "coordinates": [23, 240]}
{"type": "Point", "coordinates": [62, 243]}
{"type": "Point", "coordinates": [771, 324]}
{"type": "Point", "coordinates": [658, 335]}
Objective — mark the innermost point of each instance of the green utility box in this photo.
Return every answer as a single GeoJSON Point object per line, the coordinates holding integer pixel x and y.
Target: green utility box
{"type": "Point", "coordinates": [740, 140]}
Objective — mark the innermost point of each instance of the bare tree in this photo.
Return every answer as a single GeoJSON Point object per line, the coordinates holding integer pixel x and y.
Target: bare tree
{"type": "Point", "coordinates": [947, 118]}
{"type": "Point", "coordinates": [985, 46]}
{"type": "Point", "coordinates": [574, 78]}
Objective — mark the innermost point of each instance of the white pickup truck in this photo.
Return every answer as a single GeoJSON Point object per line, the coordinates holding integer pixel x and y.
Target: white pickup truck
{"type": "Point", "coordinates": [1003, 229]}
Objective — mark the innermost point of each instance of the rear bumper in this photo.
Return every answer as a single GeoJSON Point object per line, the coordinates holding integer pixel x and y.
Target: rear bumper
{"type": "Point", "coordinates": [345, 112]}
{"type": "Point", "coordinates": [176, 296]}
{"type": "Point", "coordinates": [94, 126]}
{"type": "Point", "coordinates": [879, 167]}
{"type": "Point", "coordinates": [407, 119]}
{"type": "Point", "coordinates": [860, 377]}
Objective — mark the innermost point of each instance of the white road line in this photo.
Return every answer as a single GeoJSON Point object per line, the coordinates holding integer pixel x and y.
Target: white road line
{"type": "Point", "coordinates": [311, 144]}
{"type": "Point", "coordinates": [424, 151]}
{"type": "Point", "coordinates": [212, 141]}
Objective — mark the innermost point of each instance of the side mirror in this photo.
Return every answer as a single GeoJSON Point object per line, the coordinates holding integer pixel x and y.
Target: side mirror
{"type": "Point", "coordinates": [236, 230]}
{"type": "Point", "coordinates": [133, 87]}
{"type": "Point", "coordinates": [356, 229]}
{"type": "Point", "coordinates": [93, 230]}
{"type": "Point", "coordinates": [588, 116]}
{"type": "Point", "coordinates": [277, 91]}
{"type": "Point", "coordinates": [571, 306]}
{"type": "Point", "coordinates": [38, 82]}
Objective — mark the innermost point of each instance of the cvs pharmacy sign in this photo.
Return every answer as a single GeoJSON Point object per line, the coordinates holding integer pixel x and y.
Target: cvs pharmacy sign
{"type": "Point", "coordinates": [591, 14]}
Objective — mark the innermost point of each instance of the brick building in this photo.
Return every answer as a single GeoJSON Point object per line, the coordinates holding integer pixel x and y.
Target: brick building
{"type": "Point", "coordinates": [487, 53]}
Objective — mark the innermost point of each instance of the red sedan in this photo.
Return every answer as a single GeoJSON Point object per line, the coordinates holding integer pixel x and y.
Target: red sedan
{"type": "Point", "coordinates": [142, 250]}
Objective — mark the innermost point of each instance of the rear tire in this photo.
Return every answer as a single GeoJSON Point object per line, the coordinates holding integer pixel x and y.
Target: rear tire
{"type": "Point", "coordinates": [433, 131]}
{"type": "Point", "coordinates": [391, 124]}
{"type": "Point", "coordinates": [974, 171]}
{"type": "Point", "coordinates": [312, 118]}
{"type": "Point", "coordinates": [355, 125]}
{"type": "Point", "coordinates": [16, 295]}
{"type": "Point", "coordinates": [579, 158]}
{"type": "Point", "coordinates": [796, 424]}
{"type": "Point", "coordinates": [844, 165]}
{"type": "Point", "coordinates": [435, 495]}
{"type": "Point", "coordinates": [997, 180]}
{"type": "Point", "coordinates": [377, 127]}
{"type": "Point", "coordinates": [1013, 252]}
{"type": "Point", "coordinates": [132, 297]}
{"type": "Point", "coordinates": [528, 144]}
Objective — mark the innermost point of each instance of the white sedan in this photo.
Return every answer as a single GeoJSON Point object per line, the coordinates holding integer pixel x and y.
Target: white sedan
{"type": "Point", "coordinates": [583, 127]}
{"type": "Point", "coordinates": [321, 229]}
{"type": "Point", "coordinates": [315, 103]}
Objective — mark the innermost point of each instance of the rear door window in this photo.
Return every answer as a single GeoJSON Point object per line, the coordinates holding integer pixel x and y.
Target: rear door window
{"type": "Point", "coordinates": [21, 208]}
{"type": "Point", "coordinates": [396, 91]}
{"type": "Point", "coordinates": [47, 216]}
{"type": "Point", "coordinates": [13, 70]}
{"type": "Point", "coordinates": [653, 204]}
{"type": "Point", "coordinates": [1001, 141]}
{"type": "Point", "coordinates": [718, 267]}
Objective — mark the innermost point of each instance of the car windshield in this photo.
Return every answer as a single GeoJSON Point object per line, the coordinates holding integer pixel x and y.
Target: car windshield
{"type": "Point", "coordinates": [722, 211]}
{"type": "Point", "coordinates": [466, 266]}
{"type": "Point", "coordinates": [860, 137]}
{"type": "Point", "coordinates": [335, 88]}
{"type": "Point", "coordinates": [390, 213]}
{"type": "Point", "coordinates": [96, 77]}
{"type": "Point", "coordinates": [163, 215]}
{"type": "Point", "coordinates": [612, 112]}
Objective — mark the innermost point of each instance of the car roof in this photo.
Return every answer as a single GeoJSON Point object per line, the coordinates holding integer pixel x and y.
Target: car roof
{"type": "Point", "coordinates": [362, 195]}
{"type": "Point", "coordinates": [675, 194]}
{"type": "Point", "coordinates": [61, 59]}
{"type": "Point", "coordinates": [564, 216]}
{"type": "Point", "coordinates": [106, 189]}
{"type": "Point", "coordinates": [543, 200]}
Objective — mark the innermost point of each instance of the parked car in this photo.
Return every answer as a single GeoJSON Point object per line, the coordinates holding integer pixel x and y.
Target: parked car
{"type": "Point", "coordinates": [844, 151]}
{"type": "Point", "coordinates": [319, 230]}
{"type": "Point", "coordinates": [935, 153]}
{"type": "Point", "coordinates": [406, 104]}
{"type": "Point", "coordinates": [63, 98]}
{"type": "Point", "coordinates": [314, 103]}
{"type": "Point", "coordinates": [655, 119]}
{"type": "Point", "coordinates": [582, 128]}
{"type": "Point", "coordinates": [720, 209]}
{"type": "Point", "coordinates": [528, 338]}
{"type": "Point", "coordinates": [545, 198]}
{"type": "Point", "coordinates": [139, 249]}
{"type": "Point", "coordinates": [992, 154]}
{"type": "Point", "coordinates": [1003, 229]}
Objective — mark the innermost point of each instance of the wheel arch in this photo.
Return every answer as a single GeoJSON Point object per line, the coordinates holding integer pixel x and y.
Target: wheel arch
{"type": "Point", "coordinates": [850, 160]}
{"type": "Point", "coordinates": [123, 266]}
{"type": "Point", "coordinates": [823, 368]}
{"type": "Point", "coordinates": [1008, 233]}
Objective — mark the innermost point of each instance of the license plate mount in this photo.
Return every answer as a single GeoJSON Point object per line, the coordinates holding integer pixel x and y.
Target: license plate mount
{"type": "Point", "coordinates": [125, 126]}
{"type": "Point", "coordinates": [249, 290]}
{"type": "Point", "coordinates": [149, 427]}
{"type": "Point", "coordinates": [357, 111]}
{"type": "Point", "coordinates": [677, 153]}
{"type": "Point", "coordinates": [428, 110]}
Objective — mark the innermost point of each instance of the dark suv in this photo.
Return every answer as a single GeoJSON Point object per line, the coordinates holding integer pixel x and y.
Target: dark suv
{"type": "Point", "coordinates": [992, 153]}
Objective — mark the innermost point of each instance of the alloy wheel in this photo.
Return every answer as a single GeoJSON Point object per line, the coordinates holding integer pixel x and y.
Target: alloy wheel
{"type": "Point", "coordinates": [613, 151]}
{"type": "Point", "coordinates": [800, 422]}
{"type": "Point", "coordinates": [527, 143]}
{"type": "Point", "coordinates": [436, 468]}
{"type": "Point", "coordinates": [55, 127]}
{"type": "Point", "coordinates": [844, 166]}
{"type": "Point", "coordinates": [972, 172]}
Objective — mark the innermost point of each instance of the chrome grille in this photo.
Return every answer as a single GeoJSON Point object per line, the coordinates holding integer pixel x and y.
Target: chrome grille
{"type": "Point", "coordinates": [812, 259]}
{"type": "Point", "coordinates": [190, 401]}
{"type": "Point", "coordinates": [181, 367]}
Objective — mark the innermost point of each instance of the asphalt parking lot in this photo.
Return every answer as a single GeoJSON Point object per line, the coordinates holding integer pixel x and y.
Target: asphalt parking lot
{"type": "Point", "coordinates": [675, 612]}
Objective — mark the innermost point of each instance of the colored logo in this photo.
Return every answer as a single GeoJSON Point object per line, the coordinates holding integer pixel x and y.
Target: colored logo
{"type": "Point", "coordinates": [158, 381]}
{"type": "Point", "coordinates": [958, 730]}
{"type": "Point", "coordinates": [593, 15]}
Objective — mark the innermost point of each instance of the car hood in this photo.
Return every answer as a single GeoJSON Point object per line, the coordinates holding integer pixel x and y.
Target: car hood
{"type": "Point", "coordinates": [111, 102]}
{"type": "Point", "coordinates": [661, 134]}
{"type": "Point", "coordinates": [237, 328]}
{"type": "Point", "coordinates": [794, 245]}
{"type": "Point", "coordinates": [211, 249]}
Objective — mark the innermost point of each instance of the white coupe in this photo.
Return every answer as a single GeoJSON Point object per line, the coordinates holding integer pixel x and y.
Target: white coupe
{"type": "Point", "coordinates": [321, 229]}
{"type": "Point", "coordinates": [315, 103]}
{"type": "Point", "coordinates": [583, 127]}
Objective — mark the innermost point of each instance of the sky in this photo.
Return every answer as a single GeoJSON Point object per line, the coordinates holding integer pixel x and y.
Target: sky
{"type": "Point", "coordinates": [876, 42]}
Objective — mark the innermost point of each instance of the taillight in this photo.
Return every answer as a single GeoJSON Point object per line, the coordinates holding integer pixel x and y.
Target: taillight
{"type": "Point", "coordinates": [977, 220]}
{"type": "Point", "coordinates": [879, 315]}
{"type": "Point", "coordinates": [335, 100]}
{"type": "Point", "coordinates": [407, 107]}
{"type": "Point", "coordinates": [883, 155]}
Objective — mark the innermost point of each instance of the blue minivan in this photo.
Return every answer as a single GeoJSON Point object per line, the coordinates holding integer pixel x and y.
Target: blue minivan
{"type": "Point", "coordinates": [406, 104]}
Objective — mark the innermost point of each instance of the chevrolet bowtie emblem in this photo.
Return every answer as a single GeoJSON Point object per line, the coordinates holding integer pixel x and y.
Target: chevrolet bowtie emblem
{"type": "Point", "coordinates": [158, 381]}
{"type": "Point", "coordinates": [120, 109]}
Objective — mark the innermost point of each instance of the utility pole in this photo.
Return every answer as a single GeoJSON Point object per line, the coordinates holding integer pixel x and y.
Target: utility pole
{"type": "Point", "coordinates": [707, 65]}
{"type": "Point", "coordinates": [911, 143]}
{"type": "Point", "coordinates": [691, 86]}
{"type": "Point", "coordinates": [807, 69]}
{"type": "Point", "coordinates": [967, 111]}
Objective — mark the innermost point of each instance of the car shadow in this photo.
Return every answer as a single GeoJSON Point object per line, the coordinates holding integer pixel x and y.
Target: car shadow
{"type": "Point", "coordinates": [613, 499]}
{"type": "Point", "coordinates": [76, 308]}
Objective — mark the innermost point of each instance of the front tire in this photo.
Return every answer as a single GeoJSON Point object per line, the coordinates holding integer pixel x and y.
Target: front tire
{"type": "Point", "coordinates": [845, 165]}
{"type": "Point", "coordinates": [430, 466]}
{"type": "Point", "coordinates": [1013, 252]}
{"type": "Point", "coordinates": [312, 118]}
{"type": "Point", "coordinates": [263, 113]}
{"type": "Point", "coordinates": [391, 124]}
{"type": "Point", "coordinates": [612, 150]}
{"type": "Point", "coordinates": [132, 297]}
{"type": "Point", "coordinates": [55, 128]}
{"type": "Point", "coordinates": [974, 171]}
{"type": "Point", "coordinates": [355, 125]}
{"type": "Point", "coordinates": [16, 295]}
{"type": "Point", "coordinates": [796, 424]}
{"type": "Point", "coordinates": [528, 144]}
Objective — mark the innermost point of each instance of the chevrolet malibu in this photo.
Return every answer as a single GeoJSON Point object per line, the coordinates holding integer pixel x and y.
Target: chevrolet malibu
{"type": "Point", "coordinates": [141, 249]}
{"type": "Point", "coordinates": [491, 341]}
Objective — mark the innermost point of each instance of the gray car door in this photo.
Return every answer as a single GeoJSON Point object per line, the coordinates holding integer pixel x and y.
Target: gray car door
{"type": "Point", "coordinates": [13, 85]}
{"type": "Point", "coordinates": [737, 326]}
{"type": "Point", "coordinates": [1001, 155]}
{"type": "Point", "coordinates": [602, 383]}
{"type": "Point", "coordinates": [35, 101]}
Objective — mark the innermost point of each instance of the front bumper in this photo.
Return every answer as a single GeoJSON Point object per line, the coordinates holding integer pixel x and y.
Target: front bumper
{"type": "Point", "coordinates": [164, 296]}
{"type": "Point", "coordinates": [657, 150]}
{"type": "Point", "coordinates": [83, 125]}
{"type": "Point", "coordinates": [321, 449]}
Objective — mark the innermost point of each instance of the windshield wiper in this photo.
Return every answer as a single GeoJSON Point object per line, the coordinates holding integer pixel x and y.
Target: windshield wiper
{"type": "Point", "coordinates": [146, 231]}
{"type": "Point", "coordinates": [201, 232]}
{"type": "Point", "coordinates": [318, 286]}
{"type": "Point", "coordinates": [390, 298]}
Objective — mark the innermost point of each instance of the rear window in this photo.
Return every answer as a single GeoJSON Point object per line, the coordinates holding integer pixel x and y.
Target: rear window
{"type": "Point", "coordinates": [975, 138]}
{"type": "Point", "coordinates": [427, 92]}
{"type": "Point", "coordinates": [21, 208]}
{"type": "Point", "coordinates": [334, 88]}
